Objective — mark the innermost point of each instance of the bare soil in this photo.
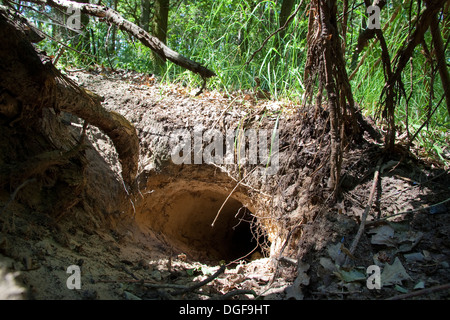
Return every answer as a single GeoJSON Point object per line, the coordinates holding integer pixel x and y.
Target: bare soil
{"type": "Point", "coordinates": [277, 235]}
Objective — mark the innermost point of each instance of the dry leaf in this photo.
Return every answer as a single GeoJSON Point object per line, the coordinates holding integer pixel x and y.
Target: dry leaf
{"type": "Point", "coordinates": [383, 235]}
{"type": "Point", "coordinates": [334, 250]}
{"type": "Point", "coordinates": [394, 273]}
{"type": "Point", "coordinates": [327, 264]}
{"type": "Point", "coordinates": [295, 291]}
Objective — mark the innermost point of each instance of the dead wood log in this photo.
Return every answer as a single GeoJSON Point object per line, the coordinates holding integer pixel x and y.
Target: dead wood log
{"type": "Point", "coordinates": [30, 77]}
{"type": "Point", "coordinates": [113, 17]}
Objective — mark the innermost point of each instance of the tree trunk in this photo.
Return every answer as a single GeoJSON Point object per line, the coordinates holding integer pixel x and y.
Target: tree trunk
{"type": "Point", "coordinates": [285, 12]}
{"type": "Point", "coordinates": [159, 30]}
{"type": "Point", "coordinates": [81, 41]}
{"type": "Point", "coordinates": [112, 45]}
{"type": "Point", "coordinates": [144, 21]}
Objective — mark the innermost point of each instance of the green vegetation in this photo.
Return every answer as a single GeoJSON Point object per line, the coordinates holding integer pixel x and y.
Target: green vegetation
{"type": "Point", "coordinates": [223, 35]}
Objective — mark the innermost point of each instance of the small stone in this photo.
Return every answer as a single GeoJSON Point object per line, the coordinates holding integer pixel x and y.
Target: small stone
{"type": "Point", "coordinates": [156, 275]}
{"type": "Point", "coordinates": [414, 257]}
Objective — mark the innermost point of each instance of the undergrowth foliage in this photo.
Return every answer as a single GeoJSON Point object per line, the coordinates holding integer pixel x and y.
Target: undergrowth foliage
{"type": "Point", "coordinates": [224, 34]}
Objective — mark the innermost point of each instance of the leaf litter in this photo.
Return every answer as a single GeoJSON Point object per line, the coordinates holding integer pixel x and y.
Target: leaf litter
{"type": "Point", "coordinates": [412, 250]}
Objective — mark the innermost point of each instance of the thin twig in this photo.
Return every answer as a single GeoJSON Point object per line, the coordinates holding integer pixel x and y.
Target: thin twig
{"type": "Point", "coordinates": [412, 211]}
{"type": "Point", "coordinates": [202, 88]}
{"type": "Point", "coordinates": [426, 121]}
{"type": "Point", "coordinates": [141, 281]}
{"type": "Point", "coordinates": [146, 283]}
{"type": "Point", "coordinates": [125, 269]}
{"type": "Point", "coordinates": [223, 112]}
{"type": "Point", "coordinates": [223, 204]}
{"type": "Point", "coordinates": [58, 55]}
{"type": "Point", "coordinates": [201, 283]}
{"type": "Point", "coordinates": [83, 132]}
{"type": "Point", "coordinates": [366, 210]}
{"type": "Point", "coordinates": [223, 169]}
{"type": "Point", "coordinates": [165, 285]}
{"type": "Point", "coordinates": [280, 257]}
{"type": "Point", "coordinates": [244, 256]}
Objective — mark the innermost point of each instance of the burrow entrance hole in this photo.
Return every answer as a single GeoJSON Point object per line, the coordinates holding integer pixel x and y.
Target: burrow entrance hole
{"type": "Point", "coordinates": [184, 216]}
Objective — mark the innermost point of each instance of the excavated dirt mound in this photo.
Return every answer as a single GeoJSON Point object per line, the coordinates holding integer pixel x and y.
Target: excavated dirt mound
{"type": "Point", "coordinates": [277, 235]}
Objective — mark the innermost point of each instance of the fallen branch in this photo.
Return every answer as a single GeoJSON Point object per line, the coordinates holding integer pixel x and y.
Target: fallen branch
{"type": "Point", "coordinates": [202, 88]}
{"type": "Point", "coordinates": [182, 289]}
{"type": "Point", "coordinates": [113, 17]}
{"type": "Point", "coordinates": [366, 211]}
{"type": "Point", "coordinates": [146, 283]}
{"type": "Point", "coordinates": [420, 292]}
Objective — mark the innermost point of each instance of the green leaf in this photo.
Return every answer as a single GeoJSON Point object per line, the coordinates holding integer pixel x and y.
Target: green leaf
{"type": "Point", "coordinates": [400, 289]}
{"type": "Point", "coordinates": [350, 276]}
{"type": "Point", "coordinates": [190, 272]}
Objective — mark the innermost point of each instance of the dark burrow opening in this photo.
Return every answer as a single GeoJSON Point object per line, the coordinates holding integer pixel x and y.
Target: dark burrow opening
{"type": "Point", "coordinates": [185, 216]}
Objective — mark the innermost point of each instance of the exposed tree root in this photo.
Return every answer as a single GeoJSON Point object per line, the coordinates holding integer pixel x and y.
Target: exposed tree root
{"type": "Point", "coordinates": [31, 78]}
